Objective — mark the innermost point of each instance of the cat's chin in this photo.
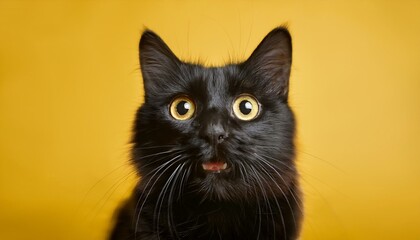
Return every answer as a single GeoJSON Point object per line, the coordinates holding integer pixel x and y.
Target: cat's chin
{"type": "Point", "coordinates": [217, 186]}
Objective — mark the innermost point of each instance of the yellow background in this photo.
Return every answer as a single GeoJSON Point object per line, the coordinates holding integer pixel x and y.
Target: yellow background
{"type": "Point", "coordinates": [70, 84]}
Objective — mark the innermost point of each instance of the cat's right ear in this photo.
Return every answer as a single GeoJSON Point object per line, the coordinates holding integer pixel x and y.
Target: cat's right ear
{"type": "Point", "coordinates": [271, 61]}
{"type": "Point", "coordinates": [158, 63]}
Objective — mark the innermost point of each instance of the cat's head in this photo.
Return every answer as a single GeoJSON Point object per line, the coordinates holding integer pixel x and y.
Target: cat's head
{"type": "Point", "coordinates": [224, 133]}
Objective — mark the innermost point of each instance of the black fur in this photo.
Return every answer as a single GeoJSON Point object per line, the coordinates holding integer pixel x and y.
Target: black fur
{"type": "Point", "coordinates": [258, 197]}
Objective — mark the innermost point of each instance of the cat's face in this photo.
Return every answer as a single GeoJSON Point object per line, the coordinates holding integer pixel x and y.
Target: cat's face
{"type": "Point", "coordinates": [225, 133]}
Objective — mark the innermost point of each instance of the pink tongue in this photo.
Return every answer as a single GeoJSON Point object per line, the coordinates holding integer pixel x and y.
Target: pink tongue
{"type": "Point", "coordinates": [214, 166]}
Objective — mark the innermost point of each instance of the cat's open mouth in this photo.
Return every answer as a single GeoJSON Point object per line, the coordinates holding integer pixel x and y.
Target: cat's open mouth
{"type": "Point", "coordinates": [215, 167]}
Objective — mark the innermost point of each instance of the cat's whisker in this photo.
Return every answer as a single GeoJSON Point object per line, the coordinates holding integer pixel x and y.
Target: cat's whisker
{"type": "Point", "coordinates": [294, 196]}
{"type": "Point", "coordinates": [104, 199]}
{"type": "Point", "coordinates": [154, 172]}
{"type": "Point", "coordinates": [292, 168]}
{"type": "Point", "coordinates": [267, 184]}
{"type": "Point", "coordinates": [183, 179]}
{"type": "Point", "coordinates": [276, 171]}
{"type": "Point", "coordinates": [161, 197]}
{"type": "Point", "coordinates": [264, 193]}
{"type": "Point", "coordinates": [321, 159]}
{"type": "Point", "coordinates": [259, 213]}
{"type": "Point", "coordinates": [277, 203]}
{"type": "Point", "coordinates": [243, 173]}
{"type": "Point", "coordinates": [160, 166]}
{"type": "Point", "coordinates": [125, 164]}
{"type": "Point", "coordinates": [162, 158]}
{"type": "Point", "coordinates": [171, 163]}
{"type": "Point", "coordinates": [171, 223]}
{"type": "Point", "coordinates": [303, 178]}
{"type": "Point", "coordinates": [278, 207]}
{"type": "Point", "coordinates": [154, 147]}
{"type": "Point", "coordinates": [270, 165]}
{"type": "Point", "coordinates": [259, 182]}
{"type": "Point", "coordinates": [160, 153]}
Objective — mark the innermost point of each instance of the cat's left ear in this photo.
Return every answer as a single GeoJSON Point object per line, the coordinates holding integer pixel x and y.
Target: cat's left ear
{"type": "Point", "coordinates": [271, 61]}
{"type": "Point", "coordinates": [158, 64]}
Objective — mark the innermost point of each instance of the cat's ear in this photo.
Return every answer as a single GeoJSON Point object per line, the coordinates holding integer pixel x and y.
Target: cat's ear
{"type": "Point", "coordinates": [158, 63]}
{"type": "Point", "coordinates": [271, 61]}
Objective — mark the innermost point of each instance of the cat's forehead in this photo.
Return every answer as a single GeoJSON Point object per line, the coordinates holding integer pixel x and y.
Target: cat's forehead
{"type": "Point", "coordinates": [212, 84]}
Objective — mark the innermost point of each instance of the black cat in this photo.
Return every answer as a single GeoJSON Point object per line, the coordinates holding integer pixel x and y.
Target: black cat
{"type": "Point", "coordinates": [214, 148]}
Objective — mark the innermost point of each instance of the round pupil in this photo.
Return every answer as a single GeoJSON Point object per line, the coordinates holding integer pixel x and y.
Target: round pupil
{"type": "Point", "coordinates": [245, 107]}
{"type": "Point", "coordinates": [183, 107]}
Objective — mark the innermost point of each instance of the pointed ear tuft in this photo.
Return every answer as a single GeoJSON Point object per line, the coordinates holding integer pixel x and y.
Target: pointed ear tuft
{"type": "Point", "coordinates": [271, 61]}
{"type": "Point", "coordinates": [157, 62]}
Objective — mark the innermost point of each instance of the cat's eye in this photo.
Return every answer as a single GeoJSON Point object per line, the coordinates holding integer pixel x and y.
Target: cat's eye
{"type": "Point", "coordinates": [246, 107]}
{"type": "Point", "coordinates": [182, 108]}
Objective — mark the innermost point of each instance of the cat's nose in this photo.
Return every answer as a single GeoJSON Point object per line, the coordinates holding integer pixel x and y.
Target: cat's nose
{"type": "Point", "coordinates": [214, 132]}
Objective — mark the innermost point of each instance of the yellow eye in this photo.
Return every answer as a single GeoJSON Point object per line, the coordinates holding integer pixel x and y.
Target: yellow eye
{"type": "Point", "coordinates": [246, 107]}
{"type": "Point", "coordinates": [182, 108]}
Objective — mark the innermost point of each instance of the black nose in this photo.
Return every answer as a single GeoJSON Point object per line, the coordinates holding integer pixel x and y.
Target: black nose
{"type": "Point", "coordinates": [214, 131]}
